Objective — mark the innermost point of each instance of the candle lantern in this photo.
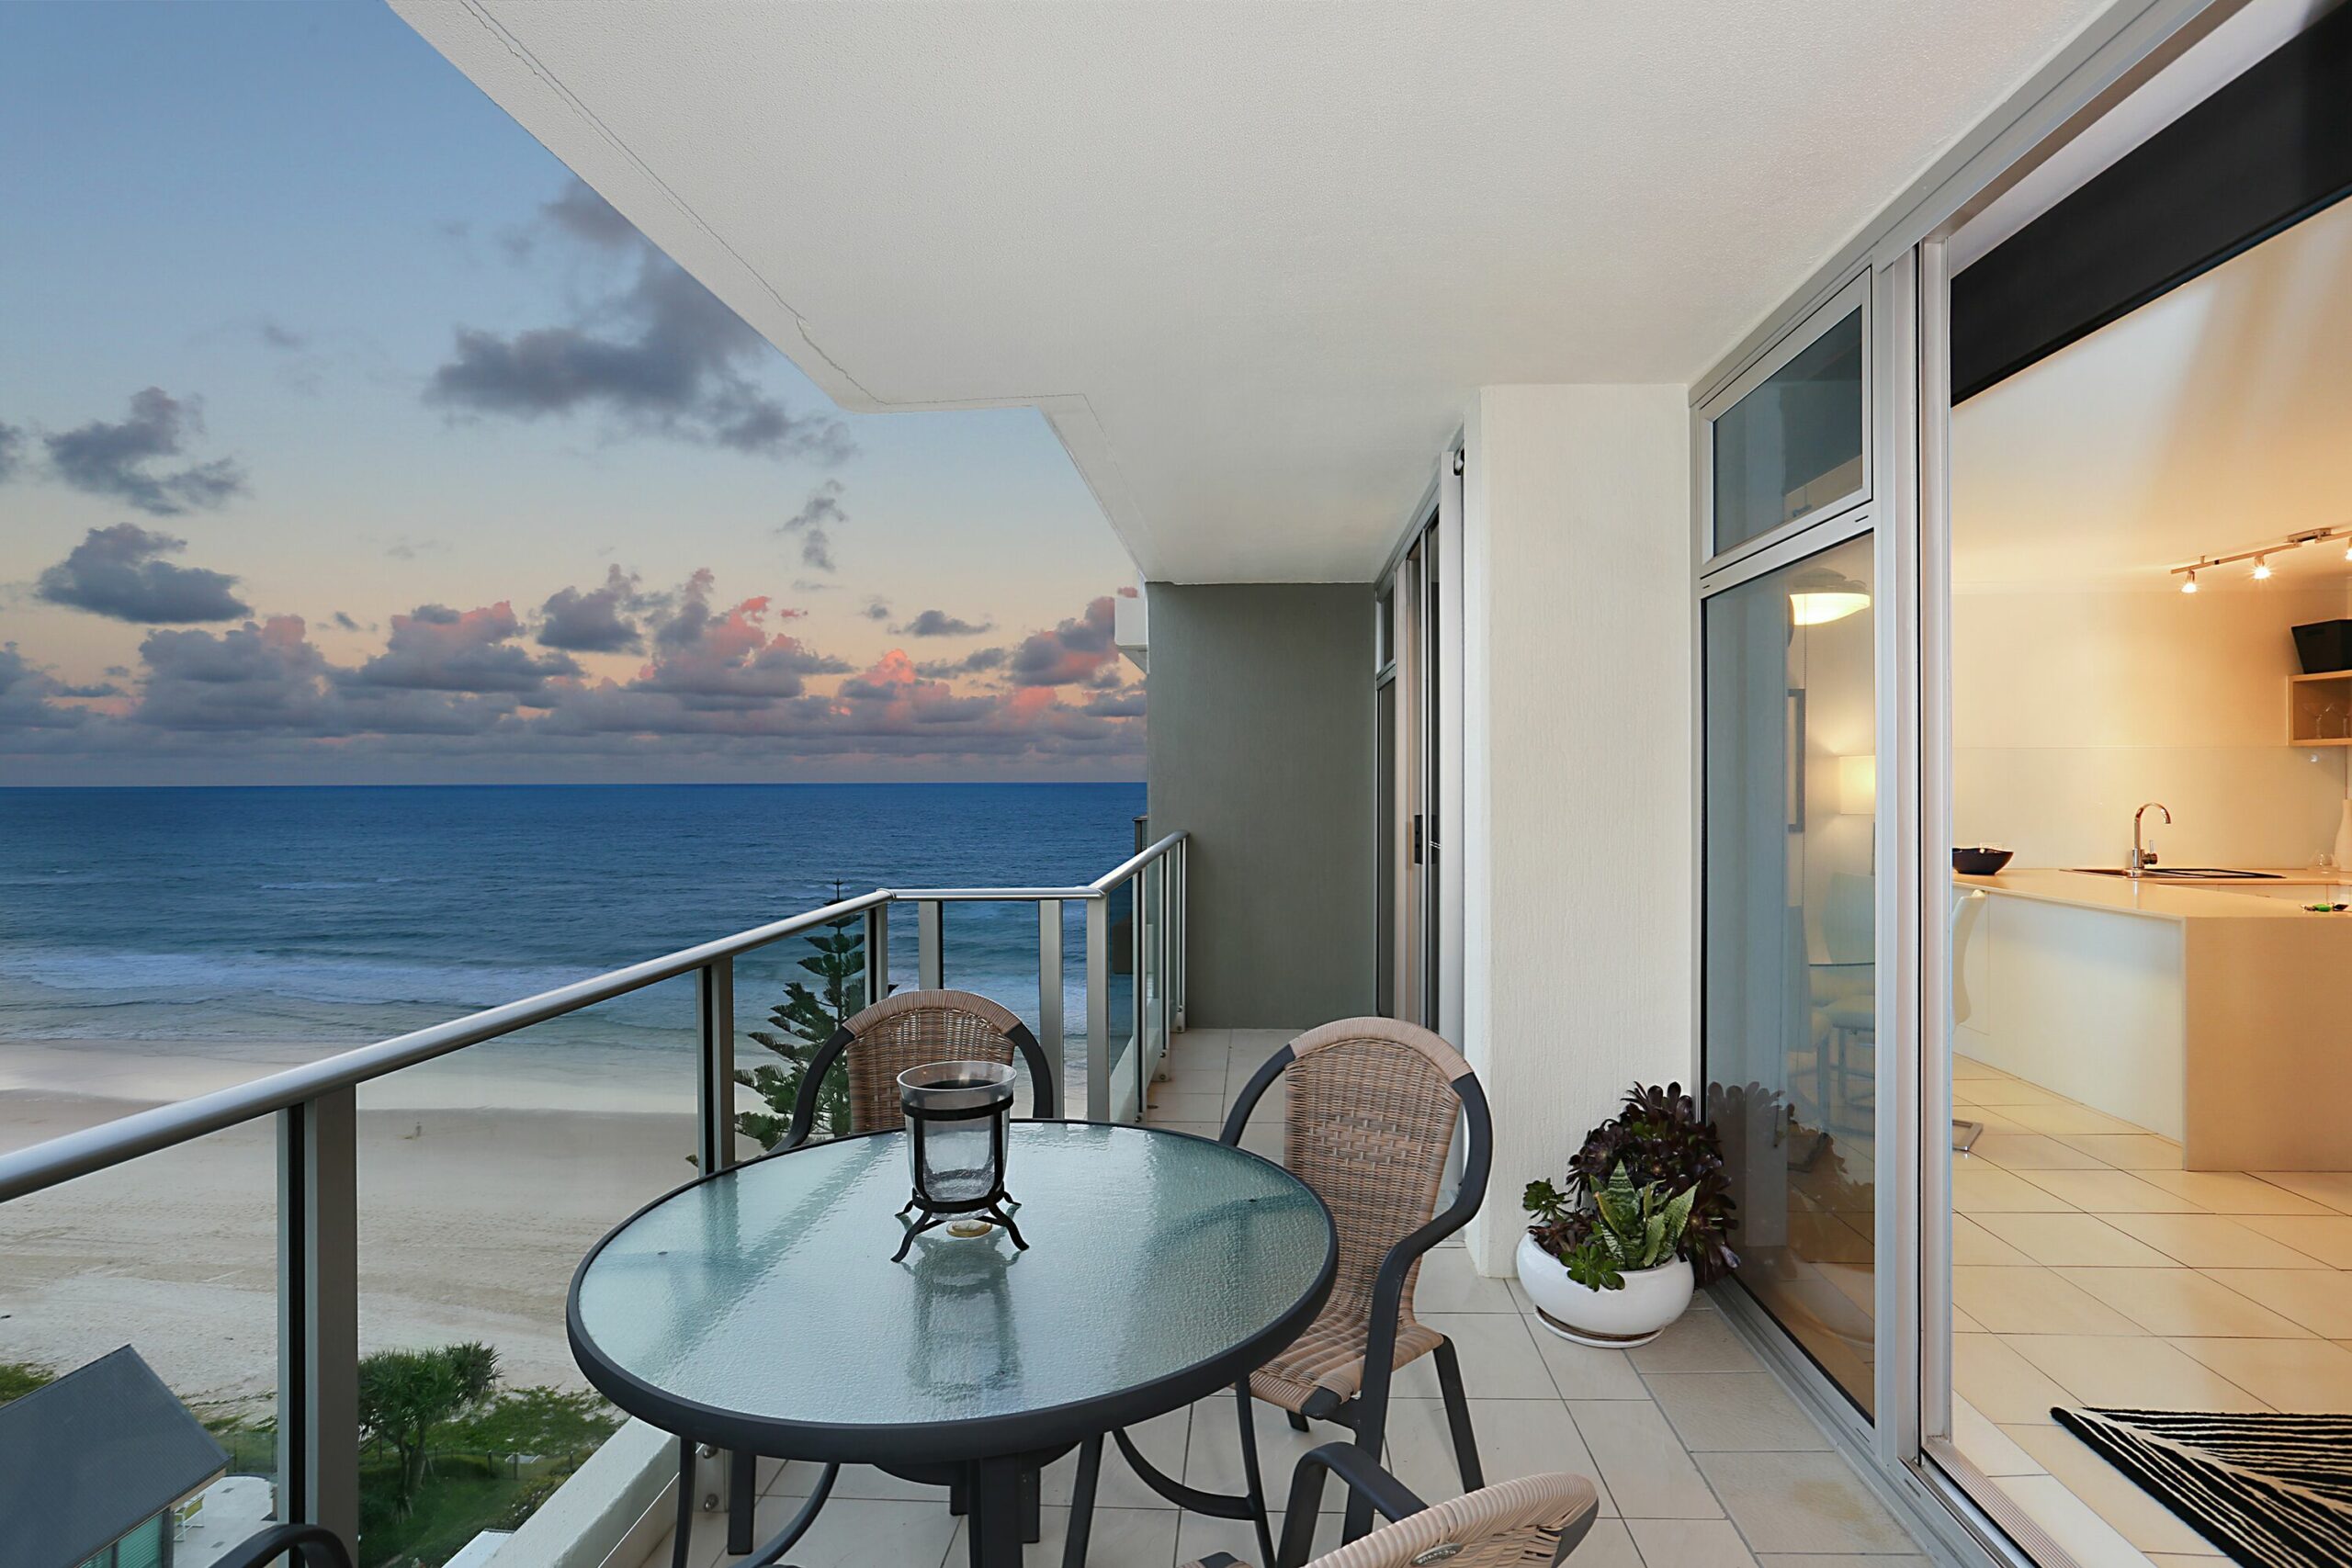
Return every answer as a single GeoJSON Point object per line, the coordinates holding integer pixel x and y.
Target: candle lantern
{"type": "Point", "coordinates": [956, 1115]}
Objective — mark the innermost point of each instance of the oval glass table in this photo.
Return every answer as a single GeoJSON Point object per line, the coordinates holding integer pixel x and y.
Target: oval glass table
{"type": "Point", "coordinates": [758, 1309]}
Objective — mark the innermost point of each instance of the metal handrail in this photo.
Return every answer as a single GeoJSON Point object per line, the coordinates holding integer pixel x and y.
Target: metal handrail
{"type": "Point", "coordinates": [62, 1158]}
{"type": "Point", "coordinates": [1126, 868]}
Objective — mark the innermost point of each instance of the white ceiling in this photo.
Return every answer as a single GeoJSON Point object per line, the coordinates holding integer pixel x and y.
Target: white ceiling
{"type": "Point", "coordinates": [2214, 420]}
{"type": "Point", "coordinates": [1250, 259]}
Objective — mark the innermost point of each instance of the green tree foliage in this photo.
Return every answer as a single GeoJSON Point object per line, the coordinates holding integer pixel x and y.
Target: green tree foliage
{"type": "Point", "coordinates": [20, 1378]}
{"type": "Point", "coordinates": [800, 1025]}
{"type": "Point", "coordinates": [539, 1422]}
{"type": "Point", "coordinates": [406, 1396]}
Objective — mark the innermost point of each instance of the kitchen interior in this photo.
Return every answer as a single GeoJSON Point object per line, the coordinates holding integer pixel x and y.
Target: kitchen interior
{"type": "Point", "coordinates": [2151, 1046]}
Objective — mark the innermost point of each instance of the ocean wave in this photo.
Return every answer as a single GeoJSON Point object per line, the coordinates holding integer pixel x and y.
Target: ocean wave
{"type": "Point", "coordinates": [183, 977]}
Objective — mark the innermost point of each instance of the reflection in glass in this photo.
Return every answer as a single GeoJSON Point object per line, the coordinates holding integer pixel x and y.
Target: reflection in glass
{"type": "Point", "coordinates": [1793, 446]}
{"type": "Point", "coordinates": [1791, 968]}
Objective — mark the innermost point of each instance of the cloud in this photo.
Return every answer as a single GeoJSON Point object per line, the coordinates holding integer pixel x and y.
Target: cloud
{"type": "Point", "coordinates": [436, 648]}
{"type": "Point", "coordinates": [814, 523]}
{"type": "Point", "coordinates": [116, 459]}
{"type": "Point", "coordinates": [260, 677]}
{"type": "Point", "coordinates": [875, 608]}
{"type": "Point", "coordinates": [344, 620]}
{"type": "Point", "coordinates": [596, 620]}
{"type": "Point", "coordinates": [1126, 702]}
{"type": "Point", "coordinates": [725, 657]}
{"type": "Point", "coordinates": [939, 622]}
{"type": "Point", "coordinates": [11, 452]}
{"type": "Point", "coordinates": [659, 356]}
{"type": "Point", "coordinates": [119, 572]}
{"type": "Point", "coordinates": [274, 335]}
{"type": "Point", "coordinates": [980, 661]}
{"type": "Point", "coordinates": [25, 693]}
{"type": "Point", "coordinates": [406, 548]}
{"type": "Point", "coordinates": [1079, 650]}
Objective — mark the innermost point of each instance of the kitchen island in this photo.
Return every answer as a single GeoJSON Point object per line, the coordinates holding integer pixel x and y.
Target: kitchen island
{"type": "Point", "coordinates": [2213, 1012]}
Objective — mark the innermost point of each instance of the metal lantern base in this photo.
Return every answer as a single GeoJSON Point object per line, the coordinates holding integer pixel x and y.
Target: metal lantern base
{"type": "Point", "coordinates": [990, 1208]}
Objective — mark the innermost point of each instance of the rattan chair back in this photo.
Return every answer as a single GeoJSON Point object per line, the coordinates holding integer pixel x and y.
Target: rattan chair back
{"type": "Point", "coordinates": [911, 1028]}
{"type": "Point", "coordinates": [1529, 1523]}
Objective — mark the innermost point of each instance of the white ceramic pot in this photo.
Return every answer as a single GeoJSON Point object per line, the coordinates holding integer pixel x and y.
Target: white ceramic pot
{"type": "Point", "coordinates": [1611, 1319]}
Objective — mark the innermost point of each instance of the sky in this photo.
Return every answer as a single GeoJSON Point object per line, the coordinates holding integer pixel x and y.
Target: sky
{"type": "Point", "coordinates": [346, 436]}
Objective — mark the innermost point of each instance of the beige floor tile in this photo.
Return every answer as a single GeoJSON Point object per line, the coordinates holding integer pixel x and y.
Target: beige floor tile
{"type": "Point", "coordinates": [2218, 1241]}
{"type": "Point", "coordinates": [2066, 1119]}
{"type": "Point", "coordinates": [1701, 1342]}
{"type": "Point", "coordinates": [2113, 1192]}
{"type": "Point", "coordinates": [2147, 1524]}
{"type": "Point", "coordinates": [2170, 1301]}
{"type": "Point", "coordinates": [2333, 1187]}
{"type": "Point", "coordinates": [1448, 1283]}
{"type": "Point", "coordinates": [1199, 1535]}
{"type": "Point", "coordinates": [1608, 1545]}
{"type": "Point", "coordinates": [2232, 1192]}
{"type": "Point", "coordinates": [1212, 1453]}
{"type": "Point", "coordinates": [1583, 1372]}
{"type": "Point", "coordinates": [2137, 1374]}
{"type": "Point", "coordinates": [1970, 1067]}
{"type": "Point", "coordinates": [2076, 1239]}
{"type": "Point", "coordinates": [1991, 1448]}
{"type": "Point", "coordinates": [1645, 1466]}
{"type": "Point", "coordinates": [850, 1533]}
{"type": "Point", "coordinates": [2318, 1299]}
{"type": "Point", "coordinates": [1980, 1190]}
{"type": "Point", "coordinates": [1498, 1358]}
{"type": "Point", "coordinates": [1118, 1538]}
{"type": "Point", "coordinates": [1733, 1410]}
{"type": "Point", "coordinates": [2002, 1093]}
{"type": "Point", "coordinates": [1972, 1243]}
{"type": "Point", "coordinates": [1162, 1440]}
{"type": "Point", "coordinates": [2030, 1151]}
{"type": "Point", "coordinates": [1838, 1559]}
{"type": "Point", "coordinates": [860, 1481]}
{"type": "Point", "coordinates": [1690, 1543]}
{"type": "Point", "coordinates": [2329, 1239]}
{"type": "Point", "coordinates": [2310, 1375]}
{"type": "Point", "coordinates": [1800, 1502]}
{"type": "Point", "coordinates": [1171, 1104]}
{"type": "Point", "coordinates": [2126, 1151]}
{"type": "Point", "coordinates": [2033, 1300]}
{"type": "Point", "coordinates": [2008, 1388]}
{"type": "Point", "coordinates": [2089, 1540]}
{"type": "Point", "coordinates": [1515, 1437]}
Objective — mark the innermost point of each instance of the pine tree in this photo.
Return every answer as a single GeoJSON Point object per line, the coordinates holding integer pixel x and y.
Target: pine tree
{"type": "Point", "coordinates": [802, 1024]}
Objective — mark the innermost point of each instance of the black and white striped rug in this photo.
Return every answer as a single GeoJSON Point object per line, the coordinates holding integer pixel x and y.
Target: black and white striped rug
{"type": "Point", "coordinates": [2272, 1491]}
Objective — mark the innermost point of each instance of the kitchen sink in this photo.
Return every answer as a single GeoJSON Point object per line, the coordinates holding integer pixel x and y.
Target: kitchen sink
{"type": "Point", "coordinates": [2182, 873]}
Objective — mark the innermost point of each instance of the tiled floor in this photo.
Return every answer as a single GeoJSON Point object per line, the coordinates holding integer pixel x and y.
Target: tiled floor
{"type": "Point", "coordinates": [2090, 1269]}
{"type": "Point", "coordinates": [1702, 1461]}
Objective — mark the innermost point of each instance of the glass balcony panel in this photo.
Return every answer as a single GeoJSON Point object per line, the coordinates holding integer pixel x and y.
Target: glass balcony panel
{"type": "Point", "coordinates": [484, 1177]}
{"type": "Point", "coordinates": [790, 996]}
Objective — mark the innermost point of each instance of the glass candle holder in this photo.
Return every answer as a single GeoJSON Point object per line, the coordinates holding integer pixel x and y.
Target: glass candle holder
{"type": "Point", "coordinates": [956, 1114]}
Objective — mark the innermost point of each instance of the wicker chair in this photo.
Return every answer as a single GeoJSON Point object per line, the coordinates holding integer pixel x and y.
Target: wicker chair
{"type": "Point", "coordinates": [906, 1031]}
{"type": "Point", "coordinates": [1527, 1523]}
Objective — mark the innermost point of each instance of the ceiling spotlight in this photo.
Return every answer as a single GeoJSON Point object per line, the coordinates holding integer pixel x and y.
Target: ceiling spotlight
{"type": "Point", "coordinates": [2262, 569]}
{"type": "Point", "coordinates": [2188, 583]}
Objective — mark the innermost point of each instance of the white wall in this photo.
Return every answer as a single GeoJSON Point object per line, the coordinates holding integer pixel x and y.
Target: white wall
{"type": "Point", "coordinates": [1577, 724]}
{"type": "Point", "coordinates": [2071, 707]}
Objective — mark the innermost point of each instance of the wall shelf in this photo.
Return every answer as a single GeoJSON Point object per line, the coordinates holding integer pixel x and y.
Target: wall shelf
{"type": "Point", "coordinates": [2319, 709]}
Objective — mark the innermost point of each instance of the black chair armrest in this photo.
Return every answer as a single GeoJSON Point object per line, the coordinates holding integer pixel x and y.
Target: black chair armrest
{"type": "Point", "coordinates": [804, 1106]}
{"type": "Point", "coordinates": [1364, 1477]}
{"type": "Point", "coordinates": [311, 1546]}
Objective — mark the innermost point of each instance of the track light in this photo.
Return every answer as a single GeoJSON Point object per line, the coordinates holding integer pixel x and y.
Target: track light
{"type": "Point", "coordinates": [2188, 583]}
{"type": "Point", "coordinates": [2262, 569]}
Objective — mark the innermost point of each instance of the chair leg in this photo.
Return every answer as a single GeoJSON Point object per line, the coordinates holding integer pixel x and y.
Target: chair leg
{"type": "Point", "coordinates": [1371, 1431]}
{"type": "Point", "coordinates": [1297, 1422]}
{"type": "Point", "coordinates": [1457, 1416]}
{"type": "Point", "coordinates": [742, 1494]}
{"type": "Point", "coordinates": [681, 1531]}
{"type": "Point", "coordinates": [1256, 1484]}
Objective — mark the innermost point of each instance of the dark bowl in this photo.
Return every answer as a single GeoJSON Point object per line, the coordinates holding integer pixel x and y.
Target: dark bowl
{"type": "Point", "coordinates": [1980, 861]}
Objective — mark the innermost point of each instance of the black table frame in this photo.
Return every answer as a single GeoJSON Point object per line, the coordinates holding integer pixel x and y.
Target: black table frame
{"type": "Point", "coordinates": [991, 1455]}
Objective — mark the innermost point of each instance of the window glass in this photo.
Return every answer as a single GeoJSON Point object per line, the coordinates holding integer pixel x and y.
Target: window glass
{"type": "Point", "coordinates": [1793, 446]}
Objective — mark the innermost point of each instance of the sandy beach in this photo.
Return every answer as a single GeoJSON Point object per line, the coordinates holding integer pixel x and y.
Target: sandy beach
{"type": "Point", "coordinates": [482, 1180]}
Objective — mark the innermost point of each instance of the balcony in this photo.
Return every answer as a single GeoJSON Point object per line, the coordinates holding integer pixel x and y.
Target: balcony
{"type": "Point", "coordinates": [1700, 1455]}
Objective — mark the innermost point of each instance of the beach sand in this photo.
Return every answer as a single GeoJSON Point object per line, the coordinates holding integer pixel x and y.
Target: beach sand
{"type": "Point", "coordinates": [484, 1179]}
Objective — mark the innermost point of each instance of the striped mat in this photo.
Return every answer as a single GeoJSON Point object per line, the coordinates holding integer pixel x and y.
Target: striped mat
{"type": "Point", "coordinates": [2271, 1490]}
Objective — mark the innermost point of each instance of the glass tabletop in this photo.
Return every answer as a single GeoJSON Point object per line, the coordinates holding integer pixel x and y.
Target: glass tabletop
{"type": "Point", "coordinates": [768, 1293]}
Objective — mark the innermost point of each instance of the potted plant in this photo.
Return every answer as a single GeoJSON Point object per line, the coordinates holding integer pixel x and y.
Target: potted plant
{"type": "Point", "coordinates": [1613, 1258]}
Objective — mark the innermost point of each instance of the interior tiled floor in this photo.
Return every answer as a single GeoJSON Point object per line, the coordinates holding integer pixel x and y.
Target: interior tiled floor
{"type": "Point", "coordinates": [1702, 1461]}
{"type": "Point", "coordinates": [2090, 1269]}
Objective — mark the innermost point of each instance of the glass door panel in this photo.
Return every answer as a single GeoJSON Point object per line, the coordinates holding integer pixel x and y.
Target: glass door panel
{"type": "Point", "coordinates": [1792, 445]}
{"type": "Point", "coordinates": [1790, 980]}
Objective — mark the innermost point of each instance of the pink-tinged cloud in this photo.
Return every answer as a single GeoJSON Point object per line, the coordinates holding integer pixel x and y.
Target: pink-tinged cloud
{"type": "Point", "coordinates": [436, 648]}
{"type": "Point", "coordinates": [1076, 653]}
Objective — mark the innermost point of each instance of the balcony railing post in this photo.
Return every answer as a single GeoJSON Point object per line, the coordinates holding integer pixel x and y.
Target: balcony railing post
{"type": "Point", "coordinates": [1098, 1007]}
{"type": "Point", "coordinates": [715, 1036]}
{"type": "Point", "coordinates": [931, 963]}
{"type": "Point", "coordinates": [1049, 994]}
{"type": "Point", "coordinates": [877, 953]}
{"type": "Point", "coordinates": [1176, 932]}
{"type": "Point", "coordinates": [1139, 987]}
{"type": "Point", "coordinates": [1164, 967]}
{"type": "Point", "coordinates": [317, 1313]}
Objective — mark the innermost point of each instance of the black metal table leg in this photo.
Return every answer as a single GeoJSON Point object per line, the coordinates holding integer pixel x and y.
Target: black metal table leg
{"type": "Point", "coordinates": [993, 1526]}
{"type": "Point", "coordinates": [1032, 1521]}
{"type": "Point", "coordinates": [742, 1494]}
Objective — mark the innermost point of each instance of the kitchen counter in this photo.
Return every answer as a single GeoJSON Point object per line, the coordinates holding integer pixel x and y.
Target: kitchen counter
{"type": "Point", "coordinates": [2211, 1012]}
{"type": "Point", "coordinates": [2201, 900]}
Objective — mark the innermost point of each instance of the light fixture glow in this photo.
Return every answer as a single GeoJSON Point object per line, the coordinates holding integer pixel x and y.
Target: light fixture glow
{"type": "Point", "coordinates": [2262, 569]}
{"type": "Point", "coordinates": [1822, 596]}
{"type": "Point", "coordinates": [2188, 583]}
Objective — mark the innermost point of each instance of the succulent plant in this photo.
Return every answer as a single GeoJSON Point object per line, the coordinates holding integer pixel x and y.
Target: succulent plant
{"type": "Point", "coordinates": [1660, 1140]}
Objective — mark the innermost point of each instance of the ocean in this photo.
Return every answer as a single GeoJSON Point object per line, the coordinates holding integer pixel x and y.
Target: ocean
{"type": "Point", "coordinates": [274, 924]}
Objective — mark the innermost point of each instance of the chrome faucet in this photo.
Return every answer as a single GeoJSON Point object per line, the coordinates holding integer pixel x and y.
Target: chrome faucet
{"type": "Point", "coordinates": [2142, 857]}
